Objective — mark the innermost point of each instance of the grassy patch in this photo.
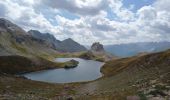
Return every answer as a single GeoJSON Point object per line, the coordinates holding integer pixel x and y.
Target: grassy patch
{"type": "Point", "coordinates": [19, 48]}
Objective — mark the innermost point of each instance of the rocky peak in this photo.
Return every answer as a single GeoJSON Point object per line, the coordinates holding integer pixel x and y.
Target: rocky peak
{"type": "Point", "coordinates": [69, 40]}
{"type": "Point", "coordinates": [7, 26]}
{"type": "Point", "coordinates": [97, 47]}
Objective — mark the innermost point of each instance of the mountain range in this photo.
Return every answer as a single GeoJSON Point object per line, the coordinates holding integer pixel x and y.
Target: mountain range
{"type": "Point", "coordinates": [67, 45]}
{"type": "Point", "coordinates": [132, 49]}
{"type": "Point", "coordinates": [14, 40]}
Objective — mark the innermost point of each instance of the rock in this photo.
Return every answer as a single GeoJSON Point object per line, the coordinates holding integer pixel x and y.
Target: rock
{"type": "Point", "coordinates": [153, 81]}
{"type": "Point", "coordinates": [133, 98]}
{"type": "Point", "coordinates": [97, 47]}
{"type": "Point", "coordinates": [157, 98]}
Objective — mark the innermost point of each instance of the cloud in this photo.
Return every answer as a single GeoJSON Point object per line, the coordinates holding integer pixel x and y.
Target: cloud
{"type": "Point", "coordinates": [149, 23]}
{"type": "Point", "coordinates": [162, 5]}
{"type": "Point", "coordinates": [147, 13]}
{"type": "Point", "coordinates": [80, 7]}
{"type": "Point", "coordinates": [2, 10]}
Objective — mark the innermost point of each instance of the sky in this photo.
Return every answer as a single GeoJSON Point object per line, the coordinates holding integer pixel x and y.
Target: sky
{"type": "Point", "coordinates": [88, 21]}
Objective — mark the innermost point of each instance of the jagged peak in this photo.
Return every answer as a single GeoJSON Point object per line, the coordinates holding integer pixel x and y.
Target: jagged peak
{"type": "Point", "coordinates": [96, 46]}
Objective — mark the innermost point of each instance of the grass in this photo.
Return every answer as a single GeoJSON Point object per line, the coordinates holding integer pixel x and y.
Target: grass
{"type": "Point", "coordinates": [122, 77]}
{"type": "Point", "coordinates": [19, 48]}
{"type": "Point", "coordinates": [21, 64]}
{"type": "Point", "coordinates": [124, 74]}
{"type": "Point", "coordinates": [142, 96]}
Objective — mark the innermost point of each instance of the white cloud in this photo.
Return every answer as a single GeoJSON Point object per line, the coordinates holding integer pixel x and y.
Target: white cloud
{"type": "Point", "coordinates": [121, 12]}
{"type": "Point", "coordinates": [149, 23]}
{"type": "Point", "coordinates": [147, 13]}
{"type": "Point", "coordinates": [80, 7]}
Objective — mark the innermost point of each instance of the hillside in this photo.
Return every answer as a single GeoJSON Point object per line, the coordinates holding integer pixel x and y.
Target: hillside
{"type": "Point", "coordinates": [67, 45]}
{"type": "Point", "coordinates": [15, 41]}
{"type": "Point", "coordinates": [144, 77]}
{"type": "Point", "coordinates": [20, 52]}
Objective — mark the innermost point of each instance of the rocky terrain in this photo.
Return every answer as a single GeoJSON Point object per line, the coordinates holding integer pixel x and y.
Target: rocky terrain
{"type": "Point", "coordinates": [97, 47]}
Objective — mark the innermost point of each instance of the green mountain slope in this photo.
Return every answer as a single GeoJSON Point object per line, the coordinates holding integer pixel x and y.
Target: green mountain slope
{"type": "Point", "coordinates": [20, 52]}
{"type": "Point", "coordinates": [15, 41]}
{"type": "Point", "coordinates": [146, 76]}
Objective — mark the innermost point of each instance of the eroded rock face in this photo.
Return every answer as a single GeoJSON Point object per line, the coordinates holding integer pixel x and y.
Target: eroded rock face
{"type": "Point", "coordinates": [97, 47]}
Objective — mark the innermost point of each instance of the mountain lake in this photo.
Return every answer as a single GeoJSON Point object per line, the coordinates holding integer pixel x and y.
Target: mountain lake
{"type": "Point", "coordinates": [87, 70]}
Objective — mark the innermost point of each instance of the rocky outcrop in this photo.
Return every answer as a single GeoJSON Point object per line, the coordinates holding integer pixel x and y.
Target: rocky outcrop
{"type": "Point", "coordinates": [97, 47]}
{"type": "Point", "coordinates": [98, 53]}
{"type": "Point", "coordinates": [7, 26]}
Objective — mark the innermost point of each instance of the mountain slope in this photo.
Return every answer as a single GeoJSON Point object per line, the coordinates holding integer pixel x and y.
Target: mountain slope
{"type": "Point", "coordinates": [141, 76]}
{"type": "Point", "coordinates": [67, 45]}
{"type": "Point", "coordinates": [20, 52]}
{"type": "Point", "coordinates": [15, 41]}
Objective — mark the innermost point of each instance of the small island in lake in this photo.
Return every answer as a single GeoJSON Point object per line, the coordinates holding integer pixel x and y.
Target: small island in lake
{"type": "Point", "coordinates": [71, 64]}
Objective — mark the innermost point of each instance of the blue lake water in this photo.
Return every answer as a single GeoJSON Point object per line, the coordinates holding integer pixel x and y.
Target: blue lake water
{"type": "Point", "coordinates": [86, 70]}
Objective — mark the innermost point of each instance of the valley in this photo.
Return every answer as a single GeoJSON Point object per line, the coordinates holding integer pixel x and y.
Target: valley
{"type": "Point", "coordinates": [143, 77]}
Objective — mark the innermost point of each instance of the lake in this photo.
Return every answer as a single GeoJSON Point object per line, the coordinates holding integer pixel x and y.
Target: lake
{"type": "Point", "coordinates": [86, 70]}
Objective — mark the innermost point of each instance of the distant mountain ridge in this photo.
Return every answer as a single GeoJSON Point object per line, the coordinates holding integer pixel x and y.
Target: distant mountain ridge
{"type": "Point", "coordinates": [131, 49]}
{"type": "Point", "coordinates": [67, 45]}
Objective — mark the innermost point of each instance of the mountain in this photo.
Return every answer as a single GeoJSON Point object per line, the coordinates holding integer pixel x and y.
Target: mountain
{"type": "Point", "coordinates": [15, 41]}
{"type": "Point", "coordinates": [131, 49]}
{"type": "Point", "coordinates": [97, 52]}
{"type": "Point", "coordinates": [70, 45]}
{"type": "Point", "coordinates": [67, 45]}
{"type": "Point", "coordinates": [20, 52]}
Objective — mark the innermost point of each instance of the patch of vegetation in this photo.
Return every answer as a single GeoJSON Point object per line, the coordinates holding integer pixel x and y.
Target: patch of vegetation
{"type": "Point", "coordinates": [71, 64]}
{"type": "Point", "coordinates": [157, 92]}
{"type": "Point", "coordinates": [101, 59]}
{"type": "Point", "coordinates": [161, 87]}
{"type": "Point", "coordinates": [142, 96]}
{"type": "Point", "coordinates": [87, 55]}
{"type": "Point", "coordinates": [19, 48]}
{"type": "Point", "coordinates": [20, 64]}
